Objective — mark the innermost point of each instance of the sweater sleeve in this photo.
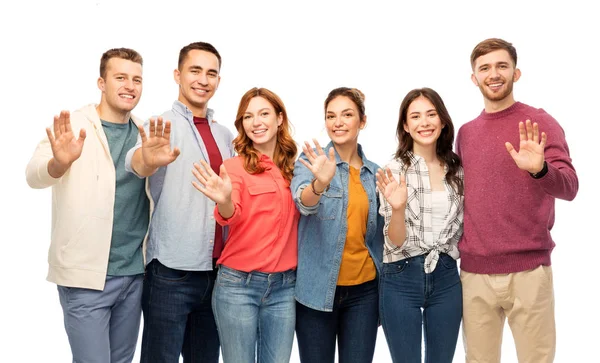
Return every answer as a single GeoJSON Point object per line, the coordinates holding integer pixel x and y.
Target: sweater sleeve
{"type": "Point", "coordinates": [561, 179]}
{"type": "Point", "coordinates": [37, 169]}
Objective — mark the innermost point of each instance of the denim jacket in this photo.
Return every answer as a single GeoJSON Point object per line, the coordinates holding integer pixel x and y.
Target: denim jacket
{"type": "Point", "coordinates": [322, 231]}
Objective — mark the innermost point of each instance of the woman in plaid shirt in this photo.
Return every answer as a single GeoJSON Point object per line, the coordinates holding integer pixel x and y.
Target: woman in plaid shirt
{"type": "Point", "coordinates": [421, 194]}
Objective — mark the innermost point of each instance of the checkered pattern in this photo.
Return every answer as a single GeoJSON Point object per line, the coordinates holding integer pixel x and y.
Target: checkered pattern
{"type": "Point", "coordinates": [418, 217]}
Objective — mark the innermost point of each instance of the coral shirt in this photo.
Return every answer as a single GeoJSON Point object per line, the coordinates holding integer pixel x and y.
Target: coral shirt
{"type": "Point", "coordinates": [263, 230]}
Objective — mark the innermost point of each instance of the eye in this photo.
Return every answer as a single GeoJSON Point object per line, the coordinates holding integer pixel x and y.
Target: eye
{"type": "Point", "coordinates": [265, 114]}
{"type": "Point", "coordinates": [212, 74]}
{"type": "Point", "coordinates": [329, 117]}
{"type": "Point", "coordinates": [195, 71]}
{"type": "Point", "coordinates": [246, 117]}
{"type": "Point", "coordinates": [503, 66]}
{"type": "Point", "coordinates": [138, 81]}
{"type": "Point", "coordinates": [348, 114]}
{"type": "Point", "coordinates": [433, 114]}
{"type": "Point", "coordinates": [414, 117]}
{"type": "Point", "coordinates": [120, 78]}
{"type": "Point", "coordinates": [483, 69]}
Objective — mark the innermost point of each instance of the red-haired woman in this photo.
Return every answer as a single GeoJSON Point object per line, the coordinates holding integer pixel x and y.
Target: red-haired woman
{"type": "Point", "coordinates": [253, 299]}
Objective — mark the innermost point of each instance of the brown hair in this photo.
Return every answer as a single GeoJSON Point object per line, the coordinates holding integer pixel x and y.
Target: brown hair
{"type": "Point", "coordinates": [123, 53]}
{"type": "Point", "coordinates": [444, 143]}
{"type": "Point", "coordinates": [285, 148]}
{"type": "Point", "coordinates": [490, 45]}
{"type": "Point", "coordinates": [207, 47]}
{"type": "Point", "coordinates": [353, 94]}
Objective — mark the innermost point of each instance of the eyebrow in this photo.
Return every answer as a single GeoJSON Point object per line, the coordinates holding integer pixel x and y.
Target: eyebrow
{"type": "Point", "coordinates": [262, 109]}
{"type": "Point", "coordinates": [348, 109]}
{"type": "Point", "coordinates": [197, 67]}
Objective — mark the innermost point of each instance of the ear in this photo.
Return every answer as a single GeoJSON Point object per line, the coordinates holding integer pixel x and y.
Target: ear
{"type": "Point", "coordinates": [474, 79]}
{"type": "Point", "coordinates": [101, 84]}
{"type": "Point", "coordinates": [405, 127]}
{"type": "Point", "coordinates": [218, 82]}
{"type": "Point", "coordinates": [177, 76]}
{"type": "Point", "coordinates": [280, 119]}
{"type": "Point", "coordinates": [363, 122]}
{"type": "Point", "coordinates": [517, 75]}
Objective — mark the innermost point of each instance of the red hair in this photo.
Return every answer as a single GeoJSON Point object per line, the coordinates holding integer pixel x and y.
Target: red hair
{"type": "Point", "coordinates": [285, 149]}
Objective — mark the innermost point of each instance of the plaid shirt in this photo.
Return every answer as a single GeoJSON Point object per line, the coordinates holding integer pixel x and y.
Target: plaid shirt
{"type": "Point", "coordinates": [418, 217]}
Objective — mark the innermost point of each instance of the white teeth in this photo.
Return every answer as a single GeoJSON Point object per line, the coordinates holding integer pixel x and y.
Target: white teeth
{"type": "Point", "coordinates": [127, 96]}
{"type": "Point", "coordinates": [426, 133]}
{"type": "Point", "coordinates": [259, 132]}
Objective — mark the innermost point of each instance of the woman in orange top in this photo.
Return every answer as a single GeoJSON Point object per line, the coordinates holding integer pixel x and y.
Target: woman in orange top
{"type": "Point", "coordinates": [253, 299]}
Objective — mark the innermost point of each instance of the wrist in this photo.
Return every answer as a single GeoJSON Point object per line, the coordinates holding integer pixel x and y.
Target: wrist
{"type": "Point", "coordinates": [317, 187]}
{"type": "Point", "coordinates": [540, 173]}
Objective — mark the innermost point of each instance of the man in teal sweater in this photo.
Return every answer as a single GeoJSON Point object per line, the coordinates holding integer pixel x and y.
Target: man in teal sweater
{"type": "Point", "coordinates": [513, 174]}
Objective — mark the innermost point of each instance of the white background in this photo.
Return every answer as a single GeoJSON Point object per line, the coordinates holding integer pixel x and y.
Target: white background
{"type": "Point", "coordinates": [300, 50]}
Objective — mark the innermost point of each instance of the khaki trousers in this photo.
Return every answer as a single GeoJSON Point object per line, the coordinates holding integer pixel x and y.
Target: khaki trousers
{"type": "Point", "coordinates": [525, 298]}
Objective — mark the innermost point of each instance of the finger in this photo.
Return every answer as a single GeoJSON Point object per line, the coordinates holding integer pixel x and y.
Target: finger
{"type": "Point", "coordinates": [390, 176]}
{"type": "Point", "coordinates": [544, 138]}
{"type": "Point", "coordinates": [529, 129]}
{"type": "Point", "coordinates": [167, 132]}
{"type": "Point", "coordinates": [175, 153]}
{"type": "Point", "coordinates": [199, 173]}
{"type": "Point", "coordinates": [332, 154]}
{"type": "Point", "coordinates": [381, 180]}
{"type": "Point", "coordinates": [159, 127]}
{"type": "Point", "coordinates": [62, 122]}
{"type": "Point", "coordinates": [402, 180]}
{"type": "Point", "coordinates": [305, 163]}
{"type": "Point", "coordinates": [511, 150]}
{"type": "Point", "coordinates": [380, 187]}
{"type": "Point", "coordinates": [536, 133]}
{"type": "Point", "coordinates": [50, 137]}
{"type": "Point", "coordinates": [522, 134]}
{"type": "Point", "coordinates": [318, 147]}
{"type": "Point", "coordinates": [142, 134]}
{"type": "Point", "coordinates": [309, 151]}
{"type": "Point", "coordinates": [152, 130]}
{"type": "Point", "coordinates": [67, 121]}
{"type": "Point", "coordinates": [82, 135]}
{"type": "Point", "coordinates": [56, 126]}
{"type": "Point", "coordinates": [198, 186]}
{"type": "Point", "coordinates": [207, 167]}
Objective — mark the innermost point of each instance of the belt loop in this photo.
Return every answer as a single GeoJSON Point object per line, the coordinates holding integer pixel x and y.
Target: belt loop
{"type": "Point", "coordinates": [248, 278]}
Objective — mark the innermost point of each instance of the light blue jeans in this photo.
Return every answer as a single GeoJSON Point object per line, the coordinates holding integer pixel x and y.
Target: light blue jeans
{"type": "Point", "coordinates": [103, 326]}
{"type": "Point", "coordinates": [255, 314]}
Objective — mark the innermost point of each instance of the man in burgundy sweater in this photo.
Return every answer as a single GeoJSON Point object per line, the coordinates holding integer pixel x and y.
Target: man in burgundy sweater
{"type": "Point", "coordinates": [516, 162]}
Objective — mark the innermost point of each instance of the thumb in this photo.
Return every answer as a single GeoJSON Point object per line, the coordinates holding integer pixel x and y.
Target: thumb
{"type": "Point", "coordinates": [223, 172]}
{"type": "Point", "coordinates": [332, 154]}
{"type": "Point", "coordinates": [82, 136]}
{"type": "Point", "coordinates": [402, 180]}
{"type": "Point", "coordinates": [511, 150]}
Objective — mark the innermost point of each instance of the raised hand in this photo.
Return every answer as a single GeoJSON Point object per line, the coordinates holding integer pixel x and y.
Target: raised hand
{"type": "Point", "coordinates": [530, 156]}
{"type": "Point", "coordinates": [65, 147]}
{"type": "Point", "coordinates": [156, 147]}
{"type": "Point", "coordinates": [217, 188]}
{"type": "Point", "coordinates": [322, 166]}
{"type": "Point", "coordinates": [395, 194]}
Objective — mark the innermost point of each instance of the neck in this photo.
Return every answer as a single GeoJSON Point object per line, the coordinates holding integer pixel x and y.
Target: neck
{"type": "Point", "coordinates": [349, 153]}
{"type": "Point", "coordinates": [497, 106]}
{"type": "Point", "coordinates": [427, 153]}
{"type": "Point", "coordinates": [107, 113]}
{"type": "Point", "coordinates": [197, 111]}
{"type": "Point", "coordinates": [266, 149]}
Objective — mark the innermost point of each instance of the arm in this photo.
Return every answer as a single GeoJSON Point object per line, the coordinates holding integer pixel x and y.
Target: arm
{"type": "Point", "coordinates": [393, 205]}
{"type": "Point", "coordinates": [155, 150]}
{"type": "Point", "coordinates": [55, 155]}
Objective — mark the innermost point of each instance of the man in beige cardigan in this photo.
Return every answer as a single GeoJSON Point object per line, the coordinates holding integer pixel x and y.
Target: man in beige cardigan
{"type": "Point", "coordinates": [100, 214]}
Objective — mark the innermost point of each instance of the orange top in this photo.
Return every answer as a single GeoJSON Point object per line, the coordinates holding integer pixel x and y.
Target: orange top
{"type": "Point", "coordinates": [357, 266]}
{"type": "Point", "coordinates": [263, 230]}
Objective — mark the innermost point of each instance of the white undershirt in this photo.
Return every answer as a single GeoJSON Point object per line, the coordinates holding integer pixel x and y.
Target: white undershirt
{"type": "Point", "coordinates": [439, 209]}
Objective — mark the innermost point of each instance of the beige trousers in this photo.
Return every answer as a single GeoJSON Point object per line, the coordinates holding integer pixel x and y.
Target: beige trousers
{"type": "Point", "coordinates": [525, 298]}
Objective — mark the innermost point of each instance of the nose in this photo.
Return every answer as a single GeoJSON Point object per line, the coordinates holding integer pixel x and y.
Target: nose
{"type": "Point", "coordinates": [203, 79]}
{"type": "Point", "coordinates": [338, 122]}
{"type": "Point", "coordinates": [129, 84]}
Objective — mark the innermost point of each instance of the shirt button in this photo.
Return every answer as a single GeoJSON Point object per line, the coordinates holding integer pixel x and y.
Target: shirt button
{"type": "Point", "coordinates": [211, 241]}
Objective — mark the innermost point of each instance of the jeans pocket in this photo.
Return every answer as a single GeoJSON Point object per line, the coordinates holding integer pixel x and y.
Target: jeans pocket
{"type": "Point", "coordinates": [168, 274]}
{"type": "Point", "coordinates": [395, 267]}
{"type": "Point", "coordinates": [446, 261]}
{"type": "Point", "coordinates": [228, 277]}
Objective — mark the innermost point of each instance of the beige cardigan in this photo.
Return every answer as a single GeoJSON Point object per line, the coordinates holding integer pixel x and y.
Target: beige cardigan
{"type": "Point", "coordinates": [82, 205]}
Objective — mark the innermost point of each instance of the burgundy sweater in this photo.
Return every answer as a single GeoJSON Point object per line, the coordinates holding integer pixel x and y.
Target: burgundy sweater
{"type": "Point", "coordinates": [509, 214]}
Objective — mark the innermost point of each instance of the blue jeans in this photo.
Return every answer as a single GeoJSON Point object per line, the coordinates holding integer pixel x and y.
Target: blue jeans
{"type": "Point", "coordinates": [255, 313]}
{"type": "Point", "coordinates": [103, 326]}
{"type": "Point", "coordinates": [405, 290]}
{"type": "Point", "coordinates": [178, 318]}
{"type": "Point", "coordinates": [353, 321]}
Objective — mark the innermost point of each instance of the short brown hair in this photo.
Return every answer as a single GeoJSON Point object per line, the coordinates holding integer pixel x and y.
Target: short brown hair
{"type": "Point", "coordinates": [490, 45]}
{"type": "Point", "coordinates": [123, 53]}
{"type": "Point", "coordinates": [207, 47]}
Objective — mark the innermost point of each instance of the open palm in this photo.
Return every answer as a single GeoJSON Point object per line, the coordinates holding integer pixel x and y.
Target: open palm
{"type": "Point", "coordinates": [395, 194]}
{"type": "Point", "coordinates": [216, 187]}
{"type": "Point", "coordinates": [322, 166]}
{"type": "Point", "coordinates": [530, 156]}
{"type": "Point", "coordinates": [65, 147]}
{"type": "Point", "coordinates": [156, 146]}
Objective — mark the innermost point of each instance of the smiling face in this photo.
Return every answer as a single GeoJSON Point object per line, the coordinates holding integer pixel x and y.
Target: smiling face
{"type": "Point", "coordinates": [198, 79]}
{"type": "Point", "coordinates": [494, 73]}
{"type": "Point", "coordinates": [121, 85]}
{"type": "Point", "coordinates": [260, 122]}
{"type": "Point", "coordinates": [423, 124]}
{"type": "Point", "coordinates": [342, 121]}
